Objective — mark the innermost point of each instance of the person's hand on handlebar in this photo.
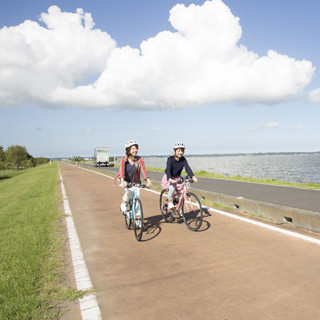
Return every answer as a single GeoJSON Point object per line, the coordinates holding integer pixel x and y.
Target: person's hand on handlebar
{"type": "Point", "coordinates": [194, 179]}
{"type": "Point", "coordinates": [172, 180]}
{"type": "Point", "coordinates": [148, 183]}
{"type": "Point", "coordinates": [123, 183]}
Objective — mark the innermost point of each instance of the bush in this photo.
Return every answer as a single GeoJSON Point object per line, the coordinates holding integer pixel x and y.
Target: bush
{"type": "Point", "coordinates": [17, 157]}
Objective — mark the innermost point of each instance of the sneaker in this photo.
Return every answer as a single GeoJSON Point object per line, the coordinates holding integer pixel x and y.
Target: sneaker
{"type": "Point", "coordinates": [138, 222]}
{"type": "Point", "coordinates": [123, 208]}
{"type": "Point", "coordinates": [179, 213]}
{"type": "Point", "coordinates": [171, 206]}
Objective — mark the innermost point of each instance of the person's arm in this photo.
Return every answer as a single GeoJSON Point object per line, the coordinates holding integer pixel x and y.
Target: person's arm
{"type": "Point", "coordinates": [144, 171]}
{"type": "Point", "coordinates": [149, 183]}
{"type": "Point", "coordinates": [189, 171]}
{"type": "Point", "coordinates": [123, 183]}
{"type": "Point", "coordinates": [122, 168]}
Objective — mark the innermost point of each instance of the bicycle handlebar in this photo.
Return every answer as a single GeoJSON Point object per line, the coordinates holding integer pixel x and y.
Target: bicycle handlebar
{"type": "Point", "coordinates": [134, 184]}
{"type": "Point", "coordinates": [186, 179]}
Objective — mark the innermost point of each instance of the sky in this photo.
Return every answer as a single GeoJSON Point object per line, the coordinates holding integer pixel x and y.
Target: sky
{"type": "Point", "coordinates": [224, 77]}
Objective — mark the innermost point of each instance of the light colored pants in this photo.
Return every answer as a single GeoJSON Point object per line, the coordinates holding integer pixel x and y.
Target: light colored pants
{"type": "Point", "coordinates": [129, 194]}
{"type": "Point", "coordinates": [171, 190]}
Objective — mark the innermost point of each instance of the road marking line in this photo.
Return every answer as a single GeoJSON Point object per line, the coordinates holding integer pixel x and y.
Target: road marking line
{"type": "Point", "coordinates": [230, 215]}
{"type": "Point", "coordinates": [88, 304]}
{"type": "Point", "coordinates": [266, 226]}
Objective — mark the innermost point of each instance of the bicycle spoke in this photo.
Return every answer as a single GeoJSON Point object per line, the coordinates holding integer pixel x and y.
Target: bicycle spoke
{"type": "Point", "coordinates": [128, 220]}
{"type": "Point", "coordinates": [164, 206]}
{"type": "Point", "coordinates": [192, 212]}
{"type": "Point", "coordinates": [138, 219]}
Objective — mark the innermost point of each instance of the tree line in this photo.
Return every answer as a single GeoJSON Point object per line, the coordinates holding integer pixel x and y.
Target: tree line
{"type": "Point", "coordinates": [17, 157]}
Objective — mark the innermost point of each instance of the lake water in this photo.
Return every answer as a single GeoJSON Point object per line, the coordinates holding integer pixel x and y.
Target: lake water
{"type": "Point", "coordinates": [301, 168]}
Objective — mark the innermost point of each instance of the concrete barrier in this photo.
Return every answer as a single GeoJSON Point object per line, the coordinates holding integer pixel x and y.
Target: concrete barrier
{"type": "Point", "coordinates": [307, 220]}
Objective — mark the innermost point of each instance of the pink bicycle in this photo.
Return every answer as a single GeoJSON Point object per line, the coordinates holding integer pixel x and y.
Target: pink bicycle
{"type": "Point", "coordinates": [187, 206]}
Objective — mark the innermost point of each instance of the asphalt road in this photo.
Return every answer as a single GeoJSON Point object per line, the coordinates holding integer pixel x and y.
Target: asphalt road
{"type": "Point", "coordinates": [228, 270]}
{"type": "Point", "coordinates": [305, 199]}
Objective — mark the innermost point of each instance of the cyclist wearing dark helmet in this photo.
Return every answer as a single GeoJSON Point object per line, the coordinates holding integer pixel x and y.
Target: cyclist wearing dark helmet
{"type": "Point", "coordinates": [130, 170]}
{"type": "Point", "coordinates": [174, 167]}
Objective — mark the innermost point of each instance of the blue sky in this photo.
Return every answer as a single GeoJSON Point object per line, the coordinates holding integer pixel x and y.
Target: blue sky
{"type": "Point", "coordinates": [125, 78]}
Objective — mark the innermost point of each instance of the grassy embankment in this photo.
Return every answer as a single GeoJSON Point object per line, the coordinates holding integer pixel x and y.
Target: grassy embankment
{"type": "Point", "coordinates": [31, 255]}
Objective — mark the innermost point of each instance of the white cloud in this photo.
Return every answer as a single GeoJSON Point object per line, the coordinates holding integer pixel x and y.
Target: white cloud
{"type": "Point", "coordinates": [202, 62]}
{"type": "Point", "coordinates": [261, 126]}
{"type": "Point", "coordinates": [299, 127]}
{"type": "Point", "coordinates": [314, 95]}
{"type": "Point", "coordinates": [271, 125]}
{"type": "Point", "coordinates": [88, 131]}
{"type": "Point", "coordinates": [156, 128]}
{"type": "Point", "coordinates": [35, 61]}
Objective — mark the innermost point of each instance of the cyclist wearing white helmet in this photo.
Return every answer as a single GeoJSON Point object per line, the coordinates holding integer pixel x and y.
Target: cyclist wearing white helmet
{"type": "Point", "coordinates": [175, 165]}
{"type": "Point", "coordinates": [130, 170]}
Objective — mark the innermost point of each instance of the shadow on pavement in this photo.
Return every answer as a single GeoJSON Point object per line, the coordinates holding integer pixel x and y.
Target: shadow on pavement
{"type": "Point", "coordinates": [152, 227]}
{"type": "Point", "coordinates": [205, 224]}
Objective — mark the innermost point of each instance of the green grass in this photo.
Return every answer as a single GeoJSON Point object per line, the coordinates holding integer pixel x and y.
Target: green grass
{"type": "Point", "coordinates": [31, 255]}
{"type": "Point", "coordinates": [206, 174]}
{"type": "Point", "coordinates": [154, 169]}
{"type": "Point", "coordinates": [7, 174]}
{"type": "Point", "coordinates": [215, 204]}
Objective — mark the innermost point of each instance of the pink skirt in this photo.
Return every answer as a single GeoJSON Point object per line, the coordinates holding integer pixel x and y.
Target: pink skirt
{"type": "Point", "coordinates": [165, 183]}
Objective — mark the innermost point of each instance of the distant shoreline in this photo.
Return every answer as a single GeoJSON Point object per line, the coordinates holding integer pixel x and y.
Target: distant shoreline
{"type": "Point", "coordinates": [238, 154]}
{"type": "Point", "coordinates": [211, 154]}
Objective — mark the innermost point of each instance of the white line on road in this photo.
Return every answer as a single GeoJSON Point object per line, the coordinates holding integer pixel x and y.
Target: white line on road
{"type": "Point", "coordinates": [88, 304]}
{"type": "Point", "coordinates": [266, 226]}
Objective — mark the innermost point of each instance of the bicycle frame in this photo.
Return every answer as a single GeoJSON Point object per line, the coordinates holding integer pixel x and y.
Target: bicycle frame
{"type": "Point", "coordinates": [132, 200]}
{"type": "Point", "coordinates": [183, 195]}
{"type": "Point", "coordinates": [187, 206]}
{"type": "Point", "coordinates": [131, 215]}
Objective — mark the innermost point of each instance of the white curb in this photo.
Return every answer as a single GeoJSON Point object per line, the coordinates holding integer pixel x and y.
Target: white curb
{"type": "Point", "coordinates": [88, 304]}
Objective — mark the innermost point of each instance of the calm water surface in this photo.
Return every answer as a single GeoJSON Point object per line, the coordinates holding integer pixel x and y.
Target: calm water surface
{"type": "Point", "coordinates": [301, 168]}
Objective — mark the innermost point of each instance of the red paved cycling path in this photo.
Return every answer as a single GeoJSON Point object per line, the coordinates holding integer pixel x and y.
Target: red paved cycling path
{"type": "Point", "coordinates": [231, 270]}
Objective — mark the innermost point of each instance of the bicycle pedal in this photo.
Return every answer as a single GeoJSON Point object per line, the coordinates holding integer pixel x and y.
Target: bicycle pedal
{"type": "Point", "coordinates": [174, 213]}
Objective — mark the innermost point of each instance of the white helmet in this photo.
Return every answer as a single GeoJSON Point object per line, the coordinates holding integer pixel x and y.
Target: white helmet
{"type": "Point", "coordinates": [130, 143]}
{"type": "Point", "coordinates": [179, 145]}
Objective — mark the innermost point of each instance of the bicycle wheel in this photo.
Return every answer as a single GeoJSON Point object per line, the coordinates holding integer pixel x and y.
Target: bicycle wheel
{"type": "Point", "coordinates": [191, 211]}
{"type": "Point", "coordinates": [164, 206]}
{"type": "Point", "coordinates": [128, 220]}
{"type": "Point", "coordinates": [138, 223]}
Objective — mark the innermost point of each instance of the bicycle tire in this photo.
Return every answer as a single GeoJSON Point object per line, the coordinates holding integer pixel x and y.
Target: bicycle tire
{"type": "Point", "coordinates": [128, 220]}
{"type": "Point", "coordinates": [138, 228]}
{"type": "Point", "coordinates": [164, 206]}
{"type": "Point", "coordinates": [192, 212]}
